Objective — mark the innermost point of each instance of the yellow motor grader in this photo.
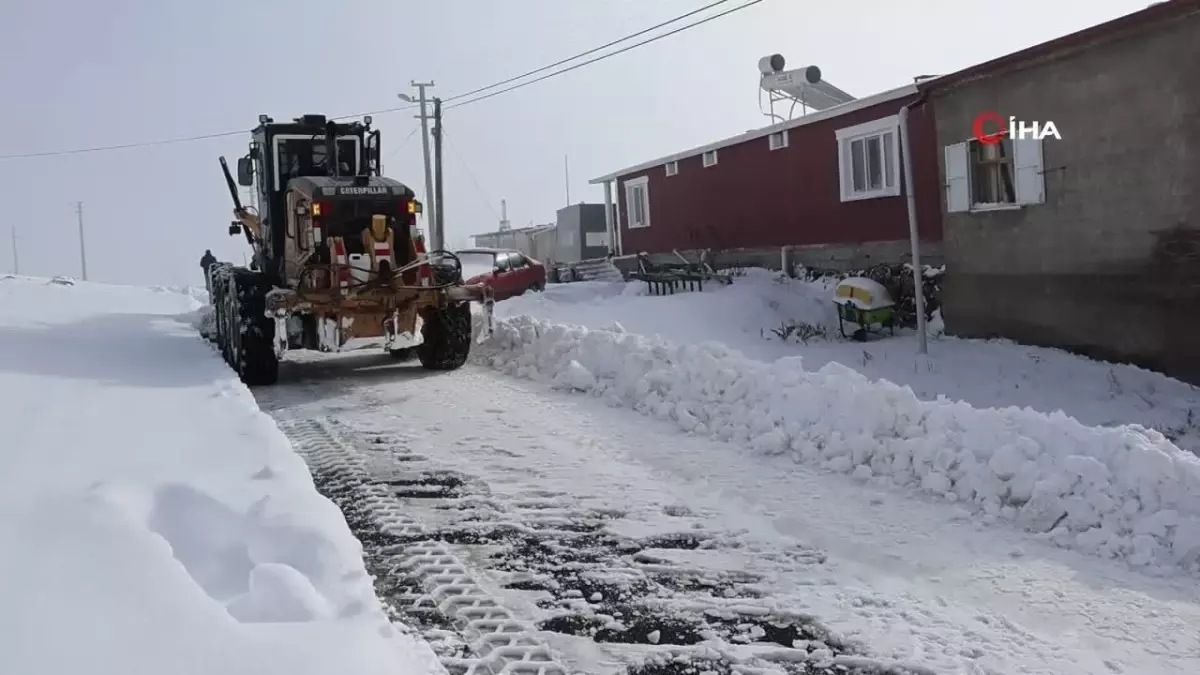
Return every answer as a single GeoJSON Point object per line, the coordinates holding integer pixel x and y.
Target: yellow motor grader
{"type": "Point", "coordinates": [338, 257]}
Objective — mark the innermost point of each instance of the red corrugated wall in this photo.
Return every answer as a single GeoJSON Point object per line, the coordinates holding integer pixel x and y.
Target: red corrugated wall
{"type": "Point", "coordinates": [755, 197]}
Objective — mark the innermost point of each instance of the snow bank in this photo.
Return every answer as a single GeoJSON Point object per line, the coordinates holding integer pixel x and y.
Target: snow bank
{"type": "Point", "coordinates": [152, 519]}
{"type": "Point", "coordinates": [1120, 492]}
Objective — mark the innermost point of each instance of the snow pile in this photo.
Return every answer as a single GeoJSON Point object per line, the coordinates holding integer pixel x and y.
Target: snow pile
{"type": "Point", "coordinates": [1121, 492]}
{"type": "Point", "coordinates": [768, 317]}
{"type": "Point", "coordinates": [152, 519]}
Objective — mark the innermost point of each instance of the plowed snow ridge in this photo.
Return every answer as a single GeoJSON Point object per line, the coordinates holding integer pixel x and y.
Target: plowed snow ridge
{"type": "Point", "coordinates": [1117, 492]}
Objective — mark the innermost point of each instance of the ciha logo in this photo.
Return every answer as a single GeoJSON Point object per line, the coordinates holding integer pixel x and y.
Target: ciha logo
{"type": "Point", "coordinates": [991, 127]}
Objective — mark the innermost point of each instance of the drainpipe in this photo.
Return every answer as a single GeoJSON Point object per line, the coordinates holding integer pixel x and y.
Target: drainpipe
{"type": "Point", "coordinates": [913, 235]}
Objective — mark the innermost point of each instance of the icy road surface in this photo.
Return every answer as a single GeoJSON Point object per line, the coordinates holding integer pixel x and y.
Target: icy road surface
{"type": "Point", "coordinates": [514, 523]}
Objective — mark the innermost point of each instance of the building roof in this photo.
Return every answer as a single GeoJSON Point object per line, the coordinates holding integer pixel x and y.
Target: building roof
{"type": "Point", "coordinates": [1154, 14]}
{"type": "Point", "coordinates": [517, 230]}
{"type": "Point", "coordinates": [828, 113]}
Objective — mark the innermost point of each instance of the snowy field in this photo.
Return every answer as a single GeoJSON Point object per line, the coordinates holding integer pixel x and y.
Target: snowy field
{"type": "Point", "coordinates": [153, 520]}
{"type": "Point", "coordinates": [657, 489]}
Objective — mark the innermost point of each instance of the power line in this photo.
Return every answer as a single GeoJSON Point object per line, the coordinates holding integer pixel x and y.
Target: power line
{"type": "Point", "coordinates": [240, 132]}
{"type": "Point", "coordinates": [170, 141]}
{"type": "Point", "coordinates": [577, 66]}
{"type": "Point", "coordinates": [403, 142]}
{"type": "Point", "coordinates": [589, 52]}
{"type": "Point", "coordinates": [470, 174]}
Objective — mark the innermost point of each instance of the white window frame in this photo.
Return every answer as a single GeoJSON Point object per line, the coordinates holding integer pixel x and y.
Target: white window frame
{"type": "Point", "coordinates": [781, 143]}
{"type": "Point", "coordinates": [705, 158]}
{"type": "Point", "coordinates": [672, 168]}
{"type": "Point", "coordinates": [630, 187]}
{"type": "Point", "coordinates": [864, 132]}
{"type": "Point", "coordinates": [1028, 175]}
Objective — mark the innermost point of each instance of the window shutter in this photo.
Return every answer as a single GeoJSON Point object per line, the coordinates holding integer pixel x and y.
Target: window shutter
{"type": "Point", "coordinates": [958, 185]}
{"type": "Point", "coordinates": [1027, 167]}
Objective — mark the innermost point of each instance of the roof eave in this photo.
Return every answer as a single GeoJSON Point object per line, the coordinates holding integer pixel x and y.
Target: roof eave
{"type": "Point", "coordinates": [828, 113]}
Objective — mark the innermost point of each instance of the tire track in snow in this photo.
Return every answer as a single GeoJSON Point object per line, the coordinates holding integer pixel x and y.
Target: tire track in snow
{"type": "Point", "coordinates": [444, 549]}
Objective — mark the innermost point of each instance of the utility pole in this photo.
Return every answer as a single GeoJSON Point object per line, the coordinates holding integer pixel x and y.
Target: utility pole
{"type": "Point", "coordinates": [430, 206]}
{"type": "Point", "coordinates": [504, 224]}
{"type": "Point", "coordinates": [82, 251]}
{"type": "Point", "coordinates": [567, 177]}
{"type": "Point", "coordinates": [16, 261]}
{"type": "Point", "coordinates": [438, 213]}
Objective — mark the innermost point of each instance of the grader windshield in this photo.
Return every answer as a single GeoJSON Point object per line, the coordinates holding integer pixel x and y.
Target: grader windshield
{"type": "Point", "coordinates": [307, 156]}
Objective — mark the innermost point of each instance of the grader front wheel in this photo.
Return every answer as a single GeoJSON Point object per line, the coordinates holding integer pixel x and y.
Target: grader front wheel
{"type": "Point", "coordinates": [446, 337]}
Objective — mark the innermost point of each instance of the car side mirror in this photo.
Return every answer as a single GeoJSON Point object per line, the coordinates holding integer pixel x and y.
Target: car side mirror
{"type": "Point", "coordinates": [245, 172]}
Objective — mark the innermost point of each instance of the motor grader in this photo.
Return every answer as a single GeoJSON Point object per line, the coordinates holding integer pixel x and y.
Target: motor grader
{"type": "Point", "coordinates": [338, 258]}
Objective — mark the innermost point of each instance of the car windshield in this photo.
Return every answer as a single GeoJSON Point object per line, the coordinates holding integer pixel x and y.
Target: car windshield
{"type": "Point", "coordinates": [477, 263]}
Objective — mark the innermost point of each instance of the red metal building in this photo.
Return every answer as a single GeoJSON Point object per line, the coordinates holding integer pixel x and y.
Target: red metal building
{"type": "Point", "coordinates": [829, 177]}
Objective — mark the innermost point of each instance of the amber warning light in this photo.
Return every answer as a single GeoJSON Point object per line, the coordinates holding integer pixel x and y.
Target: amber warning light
{"type": "Point", "coordinates": [990, 127]}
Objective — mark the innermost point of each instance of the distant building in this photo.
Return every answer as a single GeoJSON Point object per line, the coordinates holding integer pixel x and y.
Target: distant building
{"type": "Point", "coordinates": [538, 242]}
{"type": "Point", "coordinates": [582, 233]}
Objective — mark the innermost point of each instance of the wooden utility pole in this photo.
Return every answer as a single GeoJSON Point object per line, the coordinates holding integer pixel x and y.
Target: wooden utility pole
{"type": "Point", "coordinates": [439, 217]}
{"type": "Point", "coordinates": [82, 250]}
{"type": "Point", "coordinates": [567, 177]}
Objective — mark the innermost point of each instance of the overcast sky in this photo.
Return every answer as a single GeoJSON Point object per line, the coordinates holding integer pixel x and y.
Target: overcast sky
{"type": "Point", "coordinates": [83, 73]}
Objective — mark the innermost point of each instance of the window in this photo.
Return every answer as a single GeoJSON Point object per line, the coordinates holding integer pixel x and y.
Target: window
{"type": "Point", "coordinates": [869, 159]}
{"type": "Point", "coordinates": [502, 262]}
{"type": "Point", "coordinates": [304, 155]}
{"type": "Point", "coordinates": [637, 203]}
{"type": "Point", "coordinates": [672, 168]}
{"type": "Point", "coordinates": [778, 140]}
{"type": "Point", "coordinates": [517, 261]}
{"type": "Point", "coordinates": [710, 158]}
{"type": "Point", "coordinates": [1002, 175]}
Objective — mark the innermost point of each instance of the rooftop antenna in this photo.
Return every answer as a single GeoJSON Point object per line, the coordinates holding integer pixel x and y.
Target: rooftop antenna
{"type": "Point", "coordinates": [802, 86]}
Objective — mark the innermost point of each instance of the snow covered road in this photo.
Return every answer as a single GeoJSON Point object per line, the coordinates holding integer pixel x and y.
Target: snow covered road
{"type": "Point", "coordinates": [900, 579]}
{"type": "Point", "coordinates": [152, 519]}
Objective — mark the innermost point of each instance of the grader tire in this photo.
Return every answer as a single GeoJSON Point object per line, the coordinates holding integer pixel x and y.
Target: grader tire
{"type": "Point", "coordinates": [252, 334]}
{"type": "Point", "coordinates": [446, 338]}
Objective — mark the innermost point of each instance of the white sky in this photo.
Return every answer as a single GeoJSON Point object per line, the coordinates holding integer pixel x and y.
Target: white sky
{"type": "Point", "coordinates": [83, 73]}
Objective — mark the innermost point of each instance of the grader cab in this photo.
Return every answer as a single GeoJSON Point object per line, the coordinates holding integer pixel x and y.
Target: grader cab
{"type": "Point", "coordinates": [338, 257]}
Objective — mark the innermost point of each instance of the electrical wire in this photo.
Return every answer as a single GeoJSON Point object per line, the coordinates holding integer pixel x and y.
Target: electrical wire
{"type": "Point", "coordinates": [470, 174]}
{"type": "Point", "coordinates": [577, 66]}
{"type": "Point", "coordinates": [172, 141]}
{"type": "Point", "coordinates": [459, 97]}
{"type": "Point", "coordinates": [403, 142]}
{"type": "Point", "coordinates": [589, 52]}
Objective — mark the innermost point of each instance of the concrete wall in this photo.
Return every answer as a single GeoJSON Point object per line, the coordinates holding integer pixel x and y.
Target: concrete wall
{"type": "Point", "coordinates": [1103, 266]}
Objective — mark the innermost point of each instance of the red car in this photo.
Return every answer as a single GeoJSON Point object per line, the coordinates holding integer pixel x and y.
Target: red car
{"type": "Point", "coordinates": [508, 272]}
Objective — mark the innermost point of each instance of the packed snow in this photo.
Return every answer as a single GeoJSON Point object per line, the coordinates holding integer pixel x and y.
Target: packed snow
{"type": "Point", "coordinates": [154, 520]}
{"type": "Point", "coordinates": [1122, 492]}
